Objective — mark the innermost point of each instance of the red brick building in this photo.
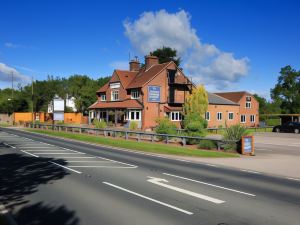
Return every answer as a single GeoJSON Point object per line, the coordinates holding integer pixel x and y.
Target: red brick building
{"type": "Point", "coordinates": [143, 94]}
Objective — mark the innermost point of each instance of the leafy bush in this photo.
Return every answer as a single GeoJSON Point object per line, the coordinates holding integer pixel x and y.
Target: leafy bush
{"type": "Point", "coordinates": [195, 126]}
{"type": "Point", "coordinates": [165, 126]}
{"type": "Point", "coordinates": [207, 144]}
{"type": "Point", "coordinates": [99, 124]}
{"type": "Point", "coordinates": [60, 123]}
{"type": "Point", "coordinates": [133, 125]}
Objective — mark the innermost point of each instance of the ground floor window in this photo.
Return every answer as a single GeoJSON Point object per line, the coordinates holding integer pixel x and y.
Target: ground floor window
{"type": "Point", "coordinates": [252, 118]}
{"type": "Point", "coordinates": [219, 116]}
{"type": "Point", "coordinates": [243, 118]}
{"type": "Point", "coordinates": [175, 116]}
{"type": "Point", "coordinates": [207, 116]}
{"type": "Point", "coordinates": [133, 115]}
{"type": "Point", "coordinates": [230, 116]}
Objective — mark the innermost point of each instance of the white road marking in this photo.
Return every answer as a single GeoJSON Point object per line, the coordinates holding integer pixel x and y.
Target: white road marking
{"type": "Point", "coordinates": [117, 161]}
{"type": "Point", "coordinates": [212, 185]}
{"type": "Point", "coordinates": [36, 147]}
{"type": "Point", "coordinates": [30, 153]}
{"type": "Point", "coordinates": [112, 167]}
{"type": "Point", "coordinates": [263, 149]}
{"type": "Point", "coordinates": [251, 171]}
{"type": "Point", "coordinates": [48, 150]}
{"type": "Point", "coordinates": [148, 198]}
{"type": "Point", "coordinates": [76, 171]}
{"type": "Point", "coordinates": [9, 145]}
{"type": "Point", "coordinates": [89, 161]}
{"type": "Point", "coordinates": [75, 157]}
{"type": "Point", "coordinates": [212, 165]}
{"type": "Point", "coordinates": [58, 153]}
{"type": "Point", "coordinates": [291, 178]}
{"type": "Point", "coordinates": [158, 181]}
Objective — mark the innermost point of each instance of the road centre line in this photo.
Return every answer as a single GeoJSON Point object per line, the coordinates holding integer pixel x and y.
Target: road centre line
{"type": "Point", "coordinates": [9, 145]}
{"type": "Point", "coordinates": [212, 165]}
{"type": "Point", "coordinates": [58, 153]}
{"type": "Point", "coordinates": [48, 150]}
{"type": "Point", "coordinates": [148, 198]}
{"type": "Point", "coordinates": [291, 178]}
{"type": "Point", "coordinates": [36, 147]}
{"type": "Point", "coordinates": [76, 171]}
{"type": "Point", "coordinates": [102, 161]}
{"type": "Point", "coordinates": [212, 185]}
{"type": "Point", "coordinates": [75, 157]}
{"type": "Point", "coordinates": [111, 167]}
{"type": "Point", "coordinates": [117, 161]}
{"type": "Point", "coordinates": [251, 171]}
{"type": "Point", "coordinates": [30, 153]}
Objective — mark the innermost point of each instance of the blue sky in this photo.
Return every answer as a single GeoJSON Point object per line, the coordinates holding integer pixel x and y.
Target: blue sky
{"type": "Point", "coordinates": [227, 45]}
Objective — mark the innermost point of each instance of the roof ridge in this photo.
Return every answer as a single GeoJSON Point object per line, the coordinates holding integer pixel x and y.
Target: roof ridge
{"type": "Point", "coordinates": [223, 98]}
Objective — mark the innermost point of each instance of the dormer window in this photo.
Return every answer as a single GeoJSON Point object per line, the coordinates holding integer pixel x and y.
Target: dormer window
{"type": "Point", "coordinates": [115, 95]}
{"type": "Point", "coordinates": [135, 94]}
{"type": "Point", "coordinates": [103, 98]}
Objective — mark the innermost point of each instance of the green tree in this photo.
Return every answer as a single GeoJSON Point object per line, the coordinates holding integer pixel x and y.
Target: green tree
{"type": "Point", "coordinates": [167, 54]}
{"type": "Point", "coordinates": [287, 90]}
{"type": "Point", "coordinates": [267, 107]}
{"type": "Point", "coordinates": [195, 107]}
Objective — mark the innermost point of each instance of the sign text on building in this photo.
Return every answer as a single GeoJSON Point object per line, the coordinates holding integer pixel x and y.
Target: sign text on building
{"type": "Point", "coordinates": [153, 94]}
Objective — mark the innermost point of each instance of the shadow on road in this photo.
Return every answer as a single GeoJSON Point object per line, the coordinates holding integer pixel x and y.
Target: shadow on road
{"type": "Point", "coordinates": [21, 176]}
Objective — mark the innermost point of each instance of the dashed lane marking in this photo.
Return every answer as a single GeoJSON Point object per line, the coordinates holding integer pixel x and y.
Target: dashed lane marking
{"type": "Point", "coordinates": [76, 171]}
{"type": "Point", "coordinates": [30, 153]}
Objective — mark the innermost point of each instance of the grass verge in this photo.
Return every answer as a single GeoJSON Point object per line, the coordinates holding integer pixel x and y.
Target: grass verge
{"type": "Point", "coordinates": [134, 145]}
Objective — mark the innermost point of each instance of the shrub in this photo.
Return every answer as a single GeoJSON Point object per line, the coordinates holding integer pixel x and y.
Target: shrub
{"type": "Point", "coordinates": [99, 124]}
{"type": "Point", "coordinates": [133, 125]}
{"type": "Point", "coordinates": [207, 144]}
{"type": "Point", "coordinates": [165, 126]}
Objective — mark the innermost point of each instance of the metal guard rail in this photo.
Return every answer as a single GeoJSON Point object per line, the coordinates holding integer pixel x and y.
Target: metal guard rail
{"type": "Point", "coordinates": [113, 132]}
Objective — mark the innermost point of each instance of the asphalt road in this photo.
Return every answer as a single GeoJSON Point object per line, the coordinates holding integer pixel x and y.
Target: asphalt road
{"type": "Point", "coordinates": [45, 180]}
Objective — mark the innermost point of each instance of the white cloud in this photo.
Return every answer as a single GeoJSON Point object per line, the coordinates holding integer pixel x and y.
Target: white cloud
{"type": "Point", "coordinates": [122, 65]}
{"type": "Point", "coordinates": [6, 73]}
{"type": "Point", "coordinates": [11, 45]}
{"type": "Point", "coordinates": [204, 62]}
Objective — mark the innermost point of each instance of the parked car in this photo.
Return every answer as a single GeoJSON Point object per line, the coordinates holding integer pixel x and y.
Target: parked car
{"type": "Point", "coordinates": [290, 127]}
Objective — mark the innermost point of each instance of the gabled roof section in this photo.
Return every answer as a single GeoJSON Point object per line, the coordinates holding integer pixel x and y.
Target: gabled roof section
{"type": "Point", "coordinates": [126, 76]}
{"type": "Point", "coordinates": [218, 100]}
{"type": "Point", "coordinates": [144, 76]}
{"type": "Point", "coordinates": [103, 88]}
{"type": "Point", "coordinates": [233, 96]}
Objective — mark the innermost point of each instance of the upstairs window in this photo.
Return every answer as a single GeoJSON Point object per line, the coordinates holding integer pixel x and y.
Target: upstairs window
{"type": "Point", "coordinates": [248, 105]}
{"type": "Point", "coordinates": [207, 116]}
{"type": "Point", "coordinates": [115, 95]}
{"type": "Point", "coordinates": [103, 98]}
{"type": "Point", "coordinates": [230, 116]}
{"type": "Point", "coordinates": [135, 94]}
{"type": "Point", "coordinates": [175, 116]}
{"type": "Point", "coordinates": [219, 116]}
{"type": "Point", "coordinates": [248, 98]}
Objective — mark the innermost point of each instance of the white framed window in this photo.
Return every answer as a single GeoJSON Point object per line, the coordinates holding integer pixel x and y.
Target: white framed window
{"type": "Point", "coordinates": [243, 118]}
{"type": "Point", "coordinates": [114, 85]}
{"type": "Point", "coordinates": [248, 105]}
{"type": "Point", "coordinates": [135, 94]}
{"type": "Point", "coordinates": [175, 116]}
{"type": "Point", "coordinates": [103, 98]}
{"type": "Point", "coordinates": [252, 118]}
{"type": "Point", "coordinates": [248, 98]}
{"type": "Point", "coordinates": [219, 116]}
{"type": "Point", "coordinates": [207, 116]}
{"type": "Point", "coordinates": [230, 116]}
{"type": "Point", "coordinates": [115, 95]}
{"type": "Point", "coordinates": [133, 115]}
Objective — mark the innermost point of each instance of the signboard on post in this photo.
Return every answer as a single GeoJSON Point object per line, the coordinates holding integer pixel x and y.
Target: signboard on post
{"type": "Point", "coordinates": [248, 145]}
{"type": "Point", "coordinates": [153, 94]}
{"type": "Point", "coordinates": [58, 109]}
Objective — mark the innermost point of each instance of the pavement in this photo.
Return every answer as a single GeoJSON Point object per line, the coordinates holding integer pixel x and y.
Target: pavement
{"type": "Point", "coordinates": [46, 180]}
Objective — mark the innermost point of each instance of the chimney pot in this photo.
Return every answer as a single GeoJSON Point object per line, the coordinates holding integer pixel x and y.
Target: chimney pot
{"type": "Point", "coordinates": [134, 65]}
{"type": "Point", "coordinates": [151, 60]}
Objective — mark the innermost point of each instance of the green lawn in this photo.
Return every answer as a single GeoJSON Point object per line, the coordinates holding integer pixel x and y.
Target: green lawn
{"type": "Point", "coordinates": [141, 146]}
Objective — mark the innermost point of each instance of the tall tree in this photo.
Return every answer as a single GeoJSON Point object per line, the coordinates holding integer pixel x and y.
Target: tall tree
{"type": "Point", "coordinates": [267, 107]}
{"type": "Point", "coordinates": [167, 54]}
{"type": "Point", "coordinates": [196, 102]}
{"type": "Point", "coordinates": [287, 90]}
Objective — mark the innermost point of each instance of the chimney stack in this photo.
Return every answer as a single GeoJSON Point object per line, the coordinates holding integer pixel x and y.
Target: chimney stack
{"type": "Point", "coordinates": [134, 65]}
{"type": "Point", "coordinates": [150, 60]}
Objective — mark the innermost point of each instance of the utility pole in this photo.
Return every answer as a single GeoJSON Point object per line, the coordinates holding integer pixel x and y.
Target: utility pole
{"type": "Point", "coordinates": [12, 85]}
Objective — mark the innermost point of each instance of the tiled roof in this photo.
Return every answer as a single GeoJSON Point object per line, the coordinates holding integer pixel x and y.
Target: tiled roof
{"type": "Point", "coordinates": [103, 88]}
{"type": "Point", "coordinates": [233, 96]}
{"type": "Point", "coordinates": [128, 103]}
{"type": "Point", "coordinates": [126, 76]}
{"type": "Point", "coordinates": [144, 76]}
{"type": "Point", "coordinates": [218, 100]}
{"type": "Point", "coordinates": [172, 108]}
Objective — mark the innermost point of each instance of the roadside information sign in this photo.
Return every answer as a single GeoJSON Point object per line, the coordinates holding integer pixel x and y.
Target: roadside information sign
{"type": "Point", "coordinates": [248, 145]}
